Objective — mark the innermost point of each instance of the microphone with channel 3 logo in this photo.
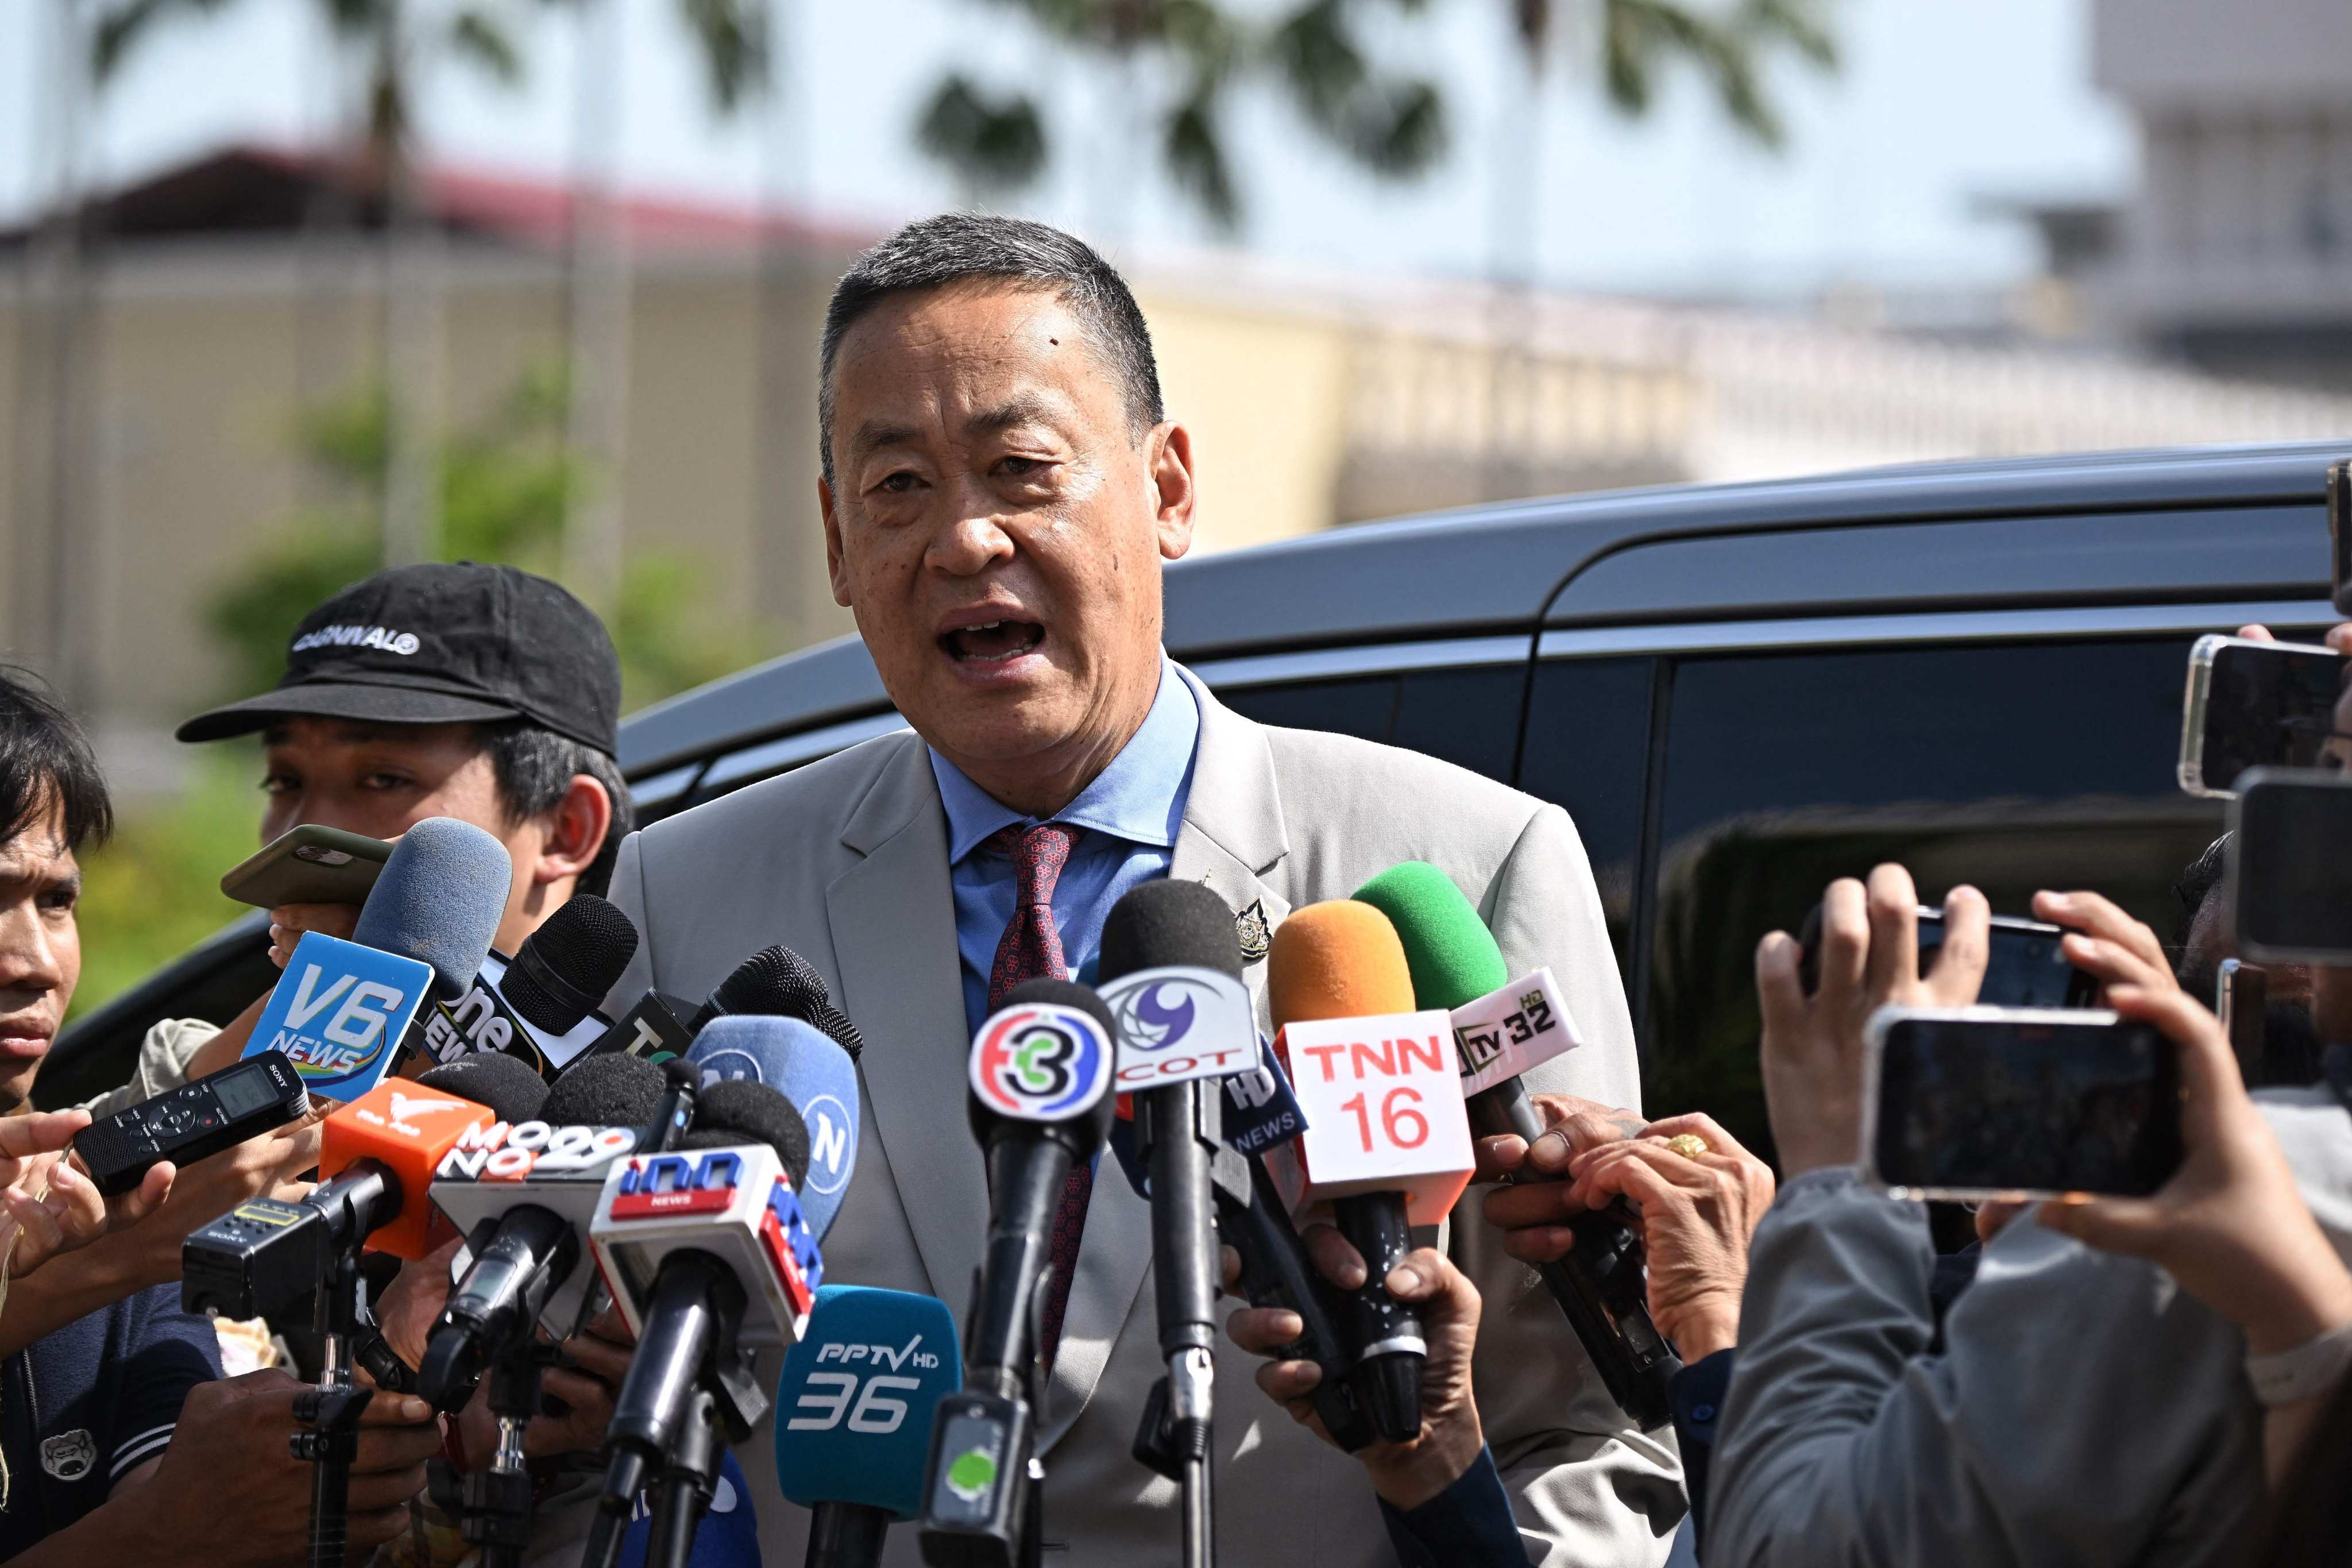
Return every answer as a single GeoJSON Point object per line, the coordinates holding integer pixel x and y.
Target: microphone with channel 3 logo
{"type": "Point", "coordinates": [1041, 1101]}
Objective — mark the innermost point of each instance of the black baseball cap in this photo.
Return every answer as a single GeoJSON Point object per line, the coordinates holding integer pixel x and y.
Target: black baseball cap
{"type": "Point", "coordinates": [443, 643]}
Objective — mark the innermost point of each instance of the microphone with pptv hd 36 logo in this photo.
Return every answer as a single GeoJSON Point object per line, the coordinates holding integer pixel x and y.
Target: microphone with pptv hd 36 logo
{"type": "Point", "coordinates": [1502, 1027]}
{"type": "Point", "coordinates": [808, 1069]}
{"type": "Point", "coordinates": [1387, 1144]}
{"type": "Point", "coordinates": [540, 1005]}
{"type": "Point", "coordinates": [522, 1195]}
{"type": "Point", "coordinates": [853, 1413]}
{"type": "Point", "coordinates": [710, 1259]}
{"type": "Point", "coordinates": [343, 1010]}
{"type": "Point", "coordinates": [1041, 1100]}
{"type": "Point", "coordinates": [1171, 974]}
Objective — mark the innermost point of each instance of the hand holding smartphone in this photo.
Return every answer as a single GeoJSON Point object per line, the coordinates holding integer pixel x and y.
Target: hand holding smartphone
{"type": "Point", "coordinates": [309, 864]}
{"type": "Point", "coordinates": [2256, 705]}
{"type": "Point", "coordinates": [2024, 966]}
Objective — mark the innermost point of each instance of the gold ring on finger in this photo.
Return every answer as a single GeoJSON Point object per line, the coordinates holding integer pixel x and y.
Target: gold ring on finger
{"type": "Point", "coordinates": [1689, 1145]}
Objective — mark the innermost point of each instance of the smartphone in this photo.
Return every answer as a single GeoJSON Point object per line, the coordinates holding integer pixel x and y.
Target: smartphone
{"type": "Point", "coordinates": [2024, 968]}
{"type": "Point", "coordinates": [1971, 1103]}
{"type": "Point", "coordinates": [309, 864]}
{"type": "Point", "coordinates": [2242, 1001]}
{"type": "Point", "coordinates": [2290, 893]}
{"type": "Point", "coordinates": [2339, 535]}
{"type": "Point", "coordinates": [2256, 705]}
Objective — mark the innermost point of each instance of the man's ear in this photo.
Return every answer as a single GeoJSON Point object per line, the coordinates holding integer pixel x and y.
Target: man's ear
{"type": "Point", "coordinates": [575, 831]}
{"type": "Point", "coordinates": [835, 564]}
{"type": "Point", "coordinates": [1174, 492]}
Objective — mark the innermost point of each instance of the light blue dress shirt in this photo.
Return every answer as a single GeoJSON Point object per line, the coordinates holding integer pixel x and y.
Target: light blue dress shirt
{"type": "Point", "coordinates": [1131, 813]}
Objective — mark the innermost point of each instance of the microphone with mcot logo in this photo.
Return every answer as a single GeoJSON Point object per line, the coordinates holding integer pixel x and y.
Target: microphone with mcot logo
{"type": "Point", "coordinates": [1503, 1026]}
{"type": "Point", "coordinates": [853, 1413]}
{"type": "Point", "coordinates": [345, 1012]}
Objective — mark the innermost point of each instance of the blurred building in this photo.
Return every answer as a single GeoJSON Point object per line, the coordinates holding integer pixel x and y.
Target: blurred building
{"type": "Point", "coordinates": [2235, 254]}
{"type": "Point", "coordinates": [145, 421]}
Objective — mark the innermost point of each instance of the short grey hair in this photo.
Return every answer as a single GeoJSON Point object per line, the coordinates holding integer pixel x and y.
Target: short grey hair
{"type": "Point", "coordinates": [963, 247]}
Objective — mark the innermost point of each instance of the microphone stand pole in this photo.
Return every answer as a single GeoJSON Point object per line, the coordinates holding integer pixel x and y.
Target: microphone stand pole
{"type": "Point", "coordinates": [332, 1411]}
{"type": "Point", "coordinates": [687, 1484]}
{"type": "Point", "coordinates": [497, 1501]}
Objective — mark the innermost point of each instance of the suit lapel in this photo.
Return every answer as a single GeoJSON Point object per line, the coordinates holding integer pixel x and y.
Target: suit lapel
{"type": "Point", "coordinates": [893, 920]}
{"type": "Point", "coordinates": [1232, 835]}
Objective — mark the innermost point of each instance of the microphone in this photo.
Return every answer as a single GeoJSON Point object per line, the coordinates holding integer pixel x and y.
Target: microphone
{"type": "Point", "coordinates": [811, 1070]}
{"type": "Point", "coordinates": [710, 1258]}
{"type": "Point", "coordinates": [770, 981]}
{"type": "Point", "coordinates": [1171, 974]}
{"type": "Point", "coordinates": [854, 1411]}
{"type": "Point", "coordinates": [1040, 1072]}
{"type": "Point", "coordinates": [1503, 1028]}
{"type": "Point", "coordinates": [1386, 1141]}
{"type": "Point", "coordinates": [802, 990]}
{"type": "Point", "coordinates": [375, 1160]}
{"type": "Point", "coordinates": [522, 1195]}
{"type": "Point", "coordinates": [343, 1011]}
{"type": "Point", "coordinates": [540, 1005]}
{"type": "Point", "coordinates": [764, 983]}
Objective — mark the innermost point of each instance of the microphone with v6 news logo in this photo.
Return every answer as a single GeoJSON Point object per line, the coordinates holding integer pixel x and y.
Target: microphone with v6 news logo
{"type": "Point", "coordinates": [853, 1412]}
{"type": "Point", "coordinates": [342, 1010]}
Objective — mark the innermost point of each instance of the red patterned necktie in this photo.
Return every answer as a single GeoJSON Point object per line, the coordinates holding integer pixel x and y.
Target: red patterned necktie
{"type": "Point", "coordinates": [1031, 949]}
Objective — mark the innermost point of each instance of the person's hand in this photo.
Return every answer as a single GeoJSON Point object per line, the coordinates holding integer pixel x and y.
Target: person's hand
{"type": "Point", "coordinates": [586, 1380]}
{"type": "Point", "coordinates": [1869, 959]}
{"type": "Point", "coordinates": [48, 1204]}
{"type": "Point", "coordinates": [229, 1484]}
{"type": "Point", "coordinates": [1696, 1216]}
{"type": "Point", "coordinates": [2230, 1225]}
{"type": "Point", "coordinates": [1406, 1475]}
{"type": "Point", "coordinates": [2339, 637]}
{"type": "Point", "coordinates": [2107, 943]}
{"type": "Point", "coordinates": [406, 1308]}
{"type": "Point", "coordinates": [1533, 1212]}
{"type": "Point", "coordinates": [203, 1192]}
{"type": "Point", "coordinates": [288, 922]}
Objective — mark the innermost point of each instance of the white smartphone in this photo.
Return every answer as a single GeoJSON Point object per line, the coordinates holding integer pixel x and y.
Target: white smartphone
{"type": "Point", "coordinates": [2256, 705]}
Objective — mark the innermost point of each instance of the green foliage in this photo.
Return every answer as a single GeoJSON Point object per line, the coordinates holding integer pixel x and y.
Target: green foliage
{"type": "Point", "coordinates": [1190, 52]}
{"type": "Point", "coordinates": [153, 891]}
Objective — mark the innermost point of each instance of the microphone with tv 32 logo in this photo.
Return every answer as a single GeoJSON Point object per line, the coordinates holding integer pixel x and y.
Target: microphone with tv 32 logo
{"type": "Point", "coordinates": [540, 1004]}
{"type": "Point", "coordinates": [1387, 1144]}
{"type": "Point", "coordinates": [522, 1195]}
{"type": "Point", "coordinates": [1502, 1027]}
{"type": "Point", "coordinates": [344, 1012]}
{"type": "Point", "coordinates": [710, 1259]}
{"type": "Point", "coordinates": [853, 1413]}
{"type": "Point", "coordinates": [807, 1067]}
{"type": "Point", "coordinates": [1040, 1075]}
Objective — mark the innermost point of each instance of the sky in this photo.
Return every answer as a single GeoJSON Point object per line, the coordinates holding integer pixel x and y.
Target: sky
{"type": "Point", "coordinates": [1939, 104]}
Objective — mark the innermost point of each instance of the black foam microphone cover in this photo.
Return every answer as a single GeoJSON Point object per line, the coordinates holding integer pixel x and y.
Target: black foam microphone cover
{"type": "Point", "coordinates": [760, 983]}
{"type": "Point", "coordinates": [1168, 924]}
{"type": "Point", "coordinates": [564, 968]}
{"type": "Point", "coordinates": [611, 1090]}
{"type": "Point", "coordinates": [806, 999]}
{"type": "Point", "coordinates": [738, 1110]}
{"type": "Point", "coordinates": [505, 1084]}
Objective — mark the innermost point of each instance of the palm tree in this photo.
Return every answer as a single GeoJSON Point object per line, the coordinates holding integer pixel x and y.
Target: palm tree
{"type": "Point", "coordinates": [1391, 125]}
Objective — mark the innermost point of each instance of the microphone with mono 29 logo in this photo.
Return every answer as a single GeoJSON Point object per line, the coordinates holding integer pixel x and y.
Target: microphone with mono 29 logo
{"type": "Point", "coordinates": [1504, 1026]}
{"type": "Point", "coordinates": [853, 1412]}
{"type": "Point", "coordinates": [1040, 1075]}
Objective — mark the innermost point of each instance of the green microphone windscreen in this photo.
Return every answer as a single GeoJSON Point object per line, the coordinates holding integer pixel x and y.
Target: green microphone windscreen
{"type": "Point", "coordinates": [1451, 952]}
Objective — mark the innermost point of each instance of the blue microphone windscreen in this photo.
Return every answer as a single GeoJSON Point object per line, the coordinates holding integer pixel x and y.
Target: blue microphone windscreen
{"type": "Point", "coordinates": [809, 1068]}
{"type": "Point", "coordinates": [438, 900]}
{"type": "Point", "coordinates": [855, 1405]}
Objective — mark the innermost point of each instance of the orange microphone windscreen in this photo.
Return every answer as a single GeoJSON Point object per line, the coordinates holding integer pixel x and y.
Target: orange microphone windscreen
{"type": "Point", "coordinates": [407, 1127]}
{"type": "Point", "coordinates": [1339, 958]}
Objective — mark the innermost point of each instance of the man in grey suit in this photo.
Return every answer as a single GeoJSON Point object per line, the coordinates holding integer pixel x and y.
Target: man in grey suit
{"type": "Point", "coordinates": [1001, 488]}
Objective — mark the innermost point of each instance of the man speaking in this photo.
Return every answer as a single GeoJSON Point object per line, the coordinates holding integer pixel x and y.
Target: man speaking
{"type": "Point", "coordinates": [1000, 487]}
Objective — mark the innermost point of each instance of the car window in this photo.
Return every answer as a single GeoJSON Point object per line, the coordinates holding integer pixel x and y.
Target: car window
{"type": "Point", "coordinates": [1587, 749]}
{"type": "Point", "coordinates": [1467, 715]}
{"type": "Point", "coordinates": [2012, 767]}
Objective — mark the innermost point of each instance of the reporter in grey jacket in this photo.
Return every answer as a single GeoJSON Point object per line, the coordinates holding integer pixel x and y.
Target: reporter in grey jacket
{"type": "Point", "coordinates": [2084, 1410]}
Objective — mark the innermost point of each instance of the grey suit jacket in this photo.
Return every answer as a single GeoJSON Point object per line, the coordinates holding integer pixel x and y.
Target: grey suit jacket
{"type": "Point", "coordinates": [2084, 1410]}
{"type": "Point", "coordinates": [845, 862]}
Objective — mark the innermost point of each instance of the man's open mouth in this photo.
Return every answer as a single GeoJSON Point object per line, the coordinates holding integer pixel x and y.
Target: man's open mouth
{"type": "Point", "coordinates": [992, 642]}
